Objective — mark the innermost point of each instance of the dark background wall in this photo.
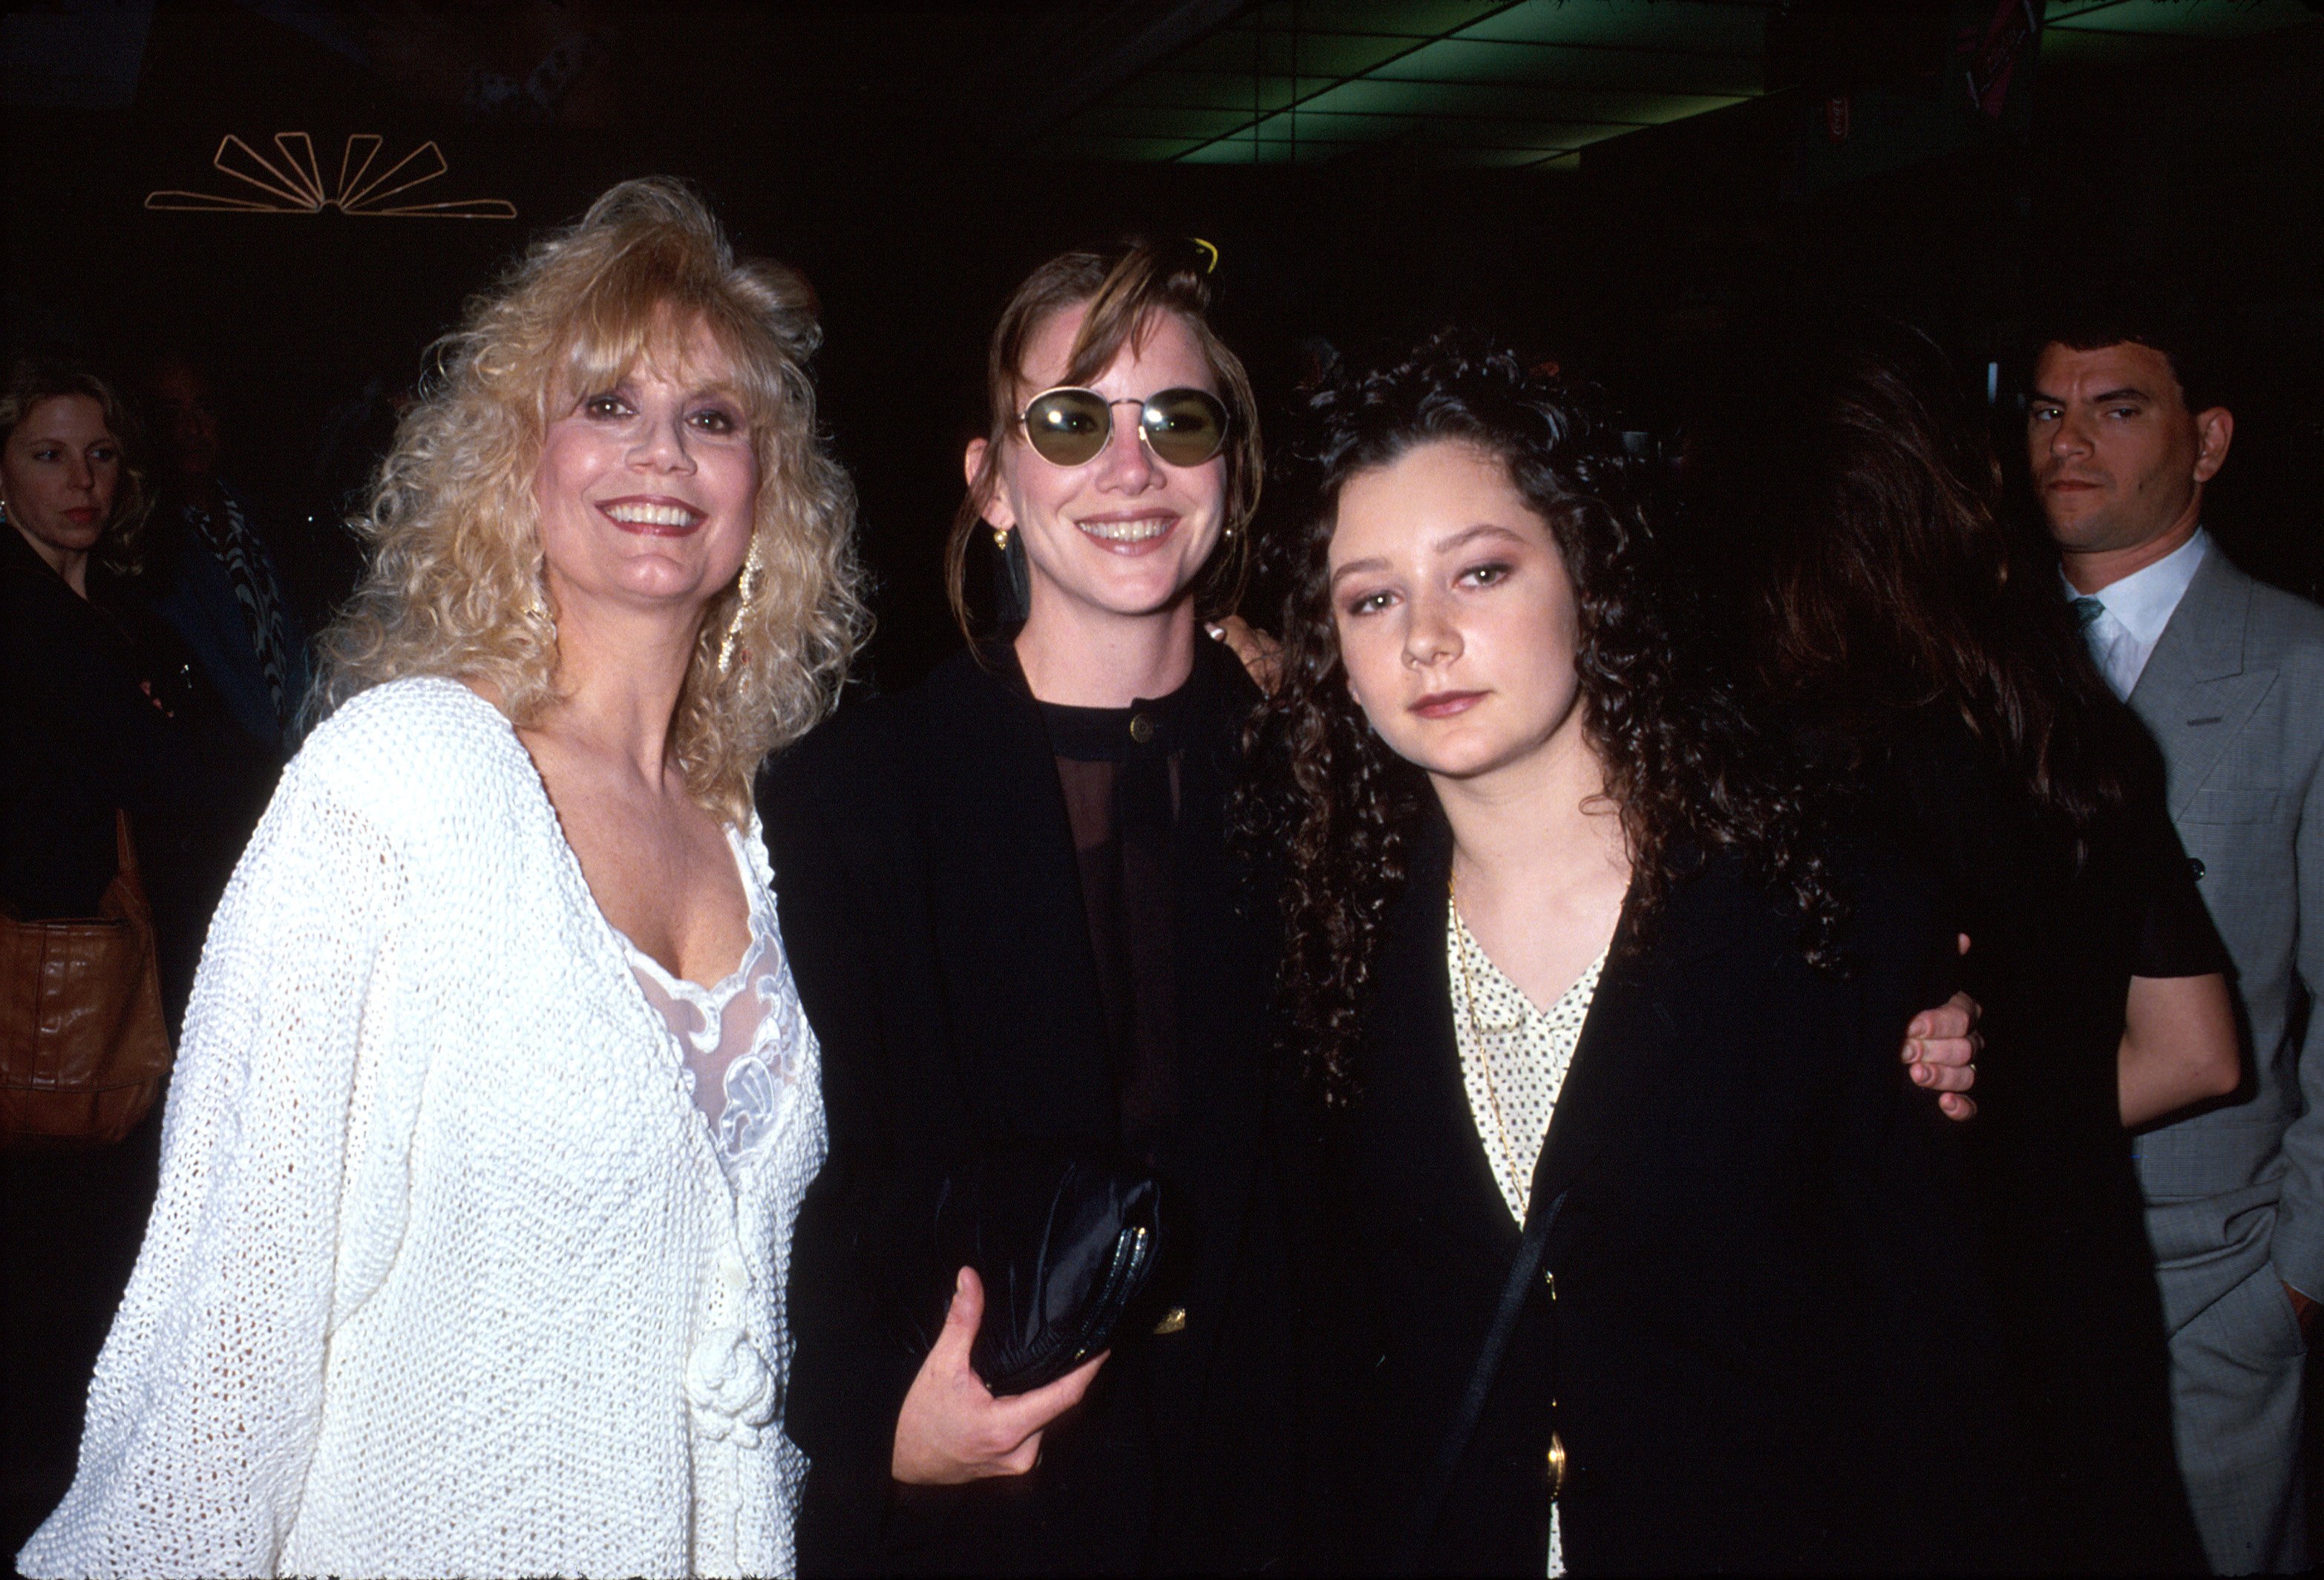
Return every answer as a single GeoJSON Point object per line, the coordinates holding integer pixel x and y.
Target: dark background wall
{"type": "Point", "coordinates": [885, 151]}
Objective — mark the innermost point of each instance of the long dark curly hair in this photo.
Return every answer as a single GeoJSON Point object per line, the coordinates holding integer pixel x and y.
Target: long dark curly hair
{"type": "Point", "coordinates": [1337, 810]}
{"type": "Point", "coordinates": [1857, 510]}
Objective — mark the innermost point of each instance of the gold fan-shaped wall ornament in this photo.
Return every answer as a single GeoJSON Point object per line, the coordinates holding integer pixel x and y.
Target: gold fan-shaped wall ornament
{"type": "Point", "coordinates": [295, 184]}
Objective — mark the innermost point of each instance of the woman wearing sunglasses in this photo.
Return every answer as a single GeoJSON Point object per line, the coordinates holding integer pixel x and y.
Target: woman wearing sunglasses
{"type": "Point", "coordinates": [1014, 921]}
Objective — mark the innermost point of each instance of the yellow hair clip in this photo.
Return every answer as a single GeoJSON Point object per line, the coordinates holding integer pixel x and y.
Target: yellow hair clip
{"type": "Point", "coordinates": [1209, 252]}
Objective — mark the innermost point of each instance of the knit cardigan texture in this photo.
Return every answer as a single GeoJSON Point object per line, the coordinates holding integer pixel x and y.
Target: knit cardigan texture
{"type": "Point", "coordinates": [444, 1276]}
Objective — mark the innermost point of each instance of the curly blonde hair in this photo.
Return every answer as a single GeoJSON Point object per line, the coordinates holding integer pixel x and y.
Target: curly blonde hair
{"type": "Point", "coordinates": [454, 586]}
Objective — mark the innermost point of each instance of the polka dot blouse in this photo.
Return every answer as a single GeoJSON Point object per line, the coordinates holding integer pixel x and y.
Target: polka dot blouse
{"type": "Point", "coordinates": [1513, 1056]}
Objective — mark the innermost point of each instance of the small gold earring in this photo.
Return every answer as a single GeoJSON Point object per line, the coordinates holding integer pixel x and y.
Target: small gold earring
{"type": "Point", "coordinates": [1001, 540]}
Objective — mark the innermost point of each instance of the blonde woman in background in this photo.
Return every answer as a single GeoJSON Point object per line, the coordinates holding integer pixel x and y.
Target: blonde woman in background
{"type": "Point", "coordinates": [495, 1102]}
{"type": "Point", "coordinates": [100, 711]}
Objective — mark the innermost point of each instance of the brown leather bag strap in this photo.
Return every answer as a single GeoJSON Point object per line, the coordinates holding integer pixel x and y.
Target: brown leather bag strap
{"type": "Point", "coordinates": [127, 889]}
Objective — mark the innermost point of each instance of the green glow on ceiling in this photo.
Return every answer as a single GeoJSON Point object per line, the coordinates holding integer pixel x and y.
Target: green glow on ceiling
{"type": "Point", "coordinates": [2102, 32]}
{"type": "Point", "coordinates": [1523, 84]}
{"type": "Point", "coordinates": [1465, 81]}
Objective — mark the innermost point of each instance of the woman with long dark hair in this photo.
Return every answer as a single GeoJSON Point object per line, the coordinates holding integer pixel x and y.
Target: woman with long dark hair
{"type": "Point", "coordinates": [1885, 596]}
{"type": "Point", "coordinates": [1645, 1219]}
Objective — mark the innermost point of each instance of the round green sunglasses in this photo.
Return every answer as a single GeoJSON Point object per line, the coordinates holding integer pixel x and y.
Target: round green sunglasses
{"type": "Point", "coordinates": [1071, 426]}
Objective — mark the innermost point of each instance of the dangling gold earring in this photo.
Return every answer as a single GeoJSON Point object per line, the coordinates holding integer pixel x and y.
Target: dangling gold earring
{"type": "Point", "coordinates": [1001, 540]}
{"type": "Point", "coordinates": [536, 599]}
{"type": "Point", "coordinates": [743, 589]}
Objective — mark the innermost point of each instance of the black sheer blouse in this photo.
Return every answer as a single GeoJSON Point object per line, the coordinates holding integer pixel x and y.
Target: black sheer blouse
{"type": "Point", "coordinates": [1122, 771]}
{"type": "Point", "coordinates": [1015, 923]}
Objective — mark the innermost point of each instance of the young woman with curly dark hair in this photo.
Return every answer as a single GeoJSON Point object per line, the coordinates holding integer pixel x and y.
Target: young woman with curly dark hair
{"type": "Point", "coordinates": [1570, 954]}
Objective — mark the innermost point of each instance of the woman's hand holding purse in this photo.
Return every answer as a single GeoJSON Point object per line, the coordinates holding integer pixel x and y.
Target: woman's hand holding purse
{"type": "Point", "coordinates": [953, 1430]}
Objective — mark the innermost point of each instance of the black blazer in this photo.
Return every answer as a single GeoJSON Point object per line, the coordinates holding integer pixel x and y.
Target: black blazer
{"type": "Point", "coordinates": [931, 907]}
{"type": "Point", "coordinates": [81, 734]}
{"type": "Point", "coordinates": [1761, 1337]}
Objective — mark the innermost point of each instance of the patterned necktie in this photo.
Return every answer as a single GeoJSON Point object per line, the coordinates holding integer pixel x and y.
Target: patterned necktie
{"type": "Point", "coordinates": [2112, 646]}
{"type": "Point", "coordinates": [237, 548]}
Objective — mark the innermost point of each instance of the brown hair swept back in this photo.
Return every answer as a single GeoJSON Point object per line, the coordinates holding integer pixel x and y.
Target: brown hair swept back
{"type": "Point", "coordinates": [1125, 285]}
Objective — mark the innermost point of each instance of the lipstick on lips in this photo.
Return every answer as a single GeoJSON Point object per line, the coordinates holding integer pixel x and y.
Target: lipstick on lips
{"type": "Point", "coordinates": [82, 514]}
{"type": "Point", "coordinates": [653, 515]}
{"type": "Point", "coordinates": [1445, 704]}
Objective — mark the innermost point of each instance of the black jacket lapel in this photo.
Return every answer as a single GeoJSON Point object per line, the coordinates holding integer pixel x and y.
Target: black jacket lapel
{"type": "Point", "coordinates": [997, 823]}
{"type": "Point", "coordinates": [1626, 1039]}
{"type": "Point", "coordinates": [1415, 1029]}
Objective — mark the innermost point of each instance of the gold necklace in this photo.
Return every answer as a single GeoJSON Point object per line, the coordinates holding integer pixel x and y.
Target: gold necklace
{"type": "Point", "coordinates": [1469, 983]}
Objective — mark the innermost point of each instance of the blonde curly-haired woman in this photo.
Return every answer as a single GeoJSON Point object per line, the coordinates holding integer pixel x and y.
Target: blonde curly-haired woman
{"type": "Point", "coordinates": [495, 1102]}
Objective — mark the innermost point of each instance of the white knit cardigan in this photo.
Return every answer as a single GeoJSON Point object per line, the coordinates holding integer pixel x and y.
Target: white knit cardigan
{"type": "Point", "coordinates": [444, 1277]}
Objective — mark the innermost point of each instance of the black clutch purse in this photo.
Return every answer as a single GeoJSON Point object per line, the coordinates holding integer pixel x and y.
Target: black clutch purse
{"type": "Point", "coordinates": [1065, 1245]}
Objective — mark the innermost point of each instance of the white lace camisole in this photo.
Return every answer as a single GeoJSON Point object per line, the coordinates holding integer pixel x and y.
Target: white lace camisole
{"type": "Point", "coordinates": [739, 1038]}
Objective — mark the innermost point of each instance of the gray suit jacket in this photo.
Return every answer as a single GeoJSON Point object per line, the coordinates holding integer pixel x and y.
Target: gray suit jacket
{"type": "Point", "coordinates": [2234, 693]}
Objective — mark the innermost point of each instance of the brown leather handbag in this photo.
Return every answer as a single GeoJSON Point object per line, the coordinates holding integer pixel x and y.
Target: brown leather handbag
{"type": "Point", "coordinates": [83, 1048]}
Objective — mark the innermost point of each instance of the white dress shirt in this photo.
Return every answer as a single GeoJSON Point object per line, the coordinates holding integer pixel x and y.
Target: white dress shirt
{"type": "Point", "coordinates": [2133, 610]}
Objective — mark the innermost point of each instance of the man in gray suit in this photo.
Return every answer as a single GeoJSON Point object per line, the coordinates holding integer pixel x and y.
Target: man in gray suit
{"type": "Point", "coordinates": [2229, 676]}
